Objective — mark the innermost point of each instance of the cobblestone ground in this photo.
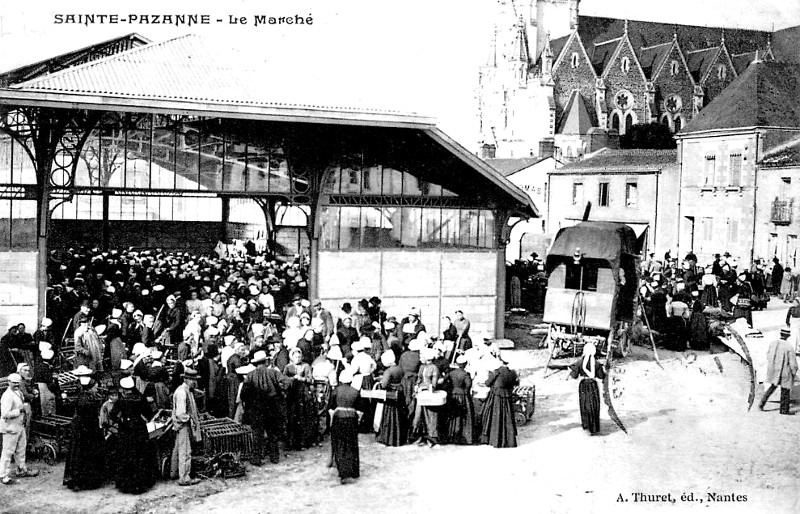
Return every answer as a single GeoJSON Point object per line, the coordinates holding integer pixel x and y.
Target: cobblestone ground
{"type": "Point", "coordinates": [689, 433]}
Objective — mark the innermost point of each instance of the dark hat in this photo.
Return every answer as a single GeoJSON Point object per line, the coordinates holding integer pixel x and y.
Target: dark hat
{"type": "Point", "coordinates": [189, 373]}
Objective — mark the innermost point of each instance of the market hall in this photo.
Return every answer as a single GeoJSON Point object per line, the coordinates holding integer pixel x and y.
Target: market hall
{"type": "Point", "coordinates": [173, 146]}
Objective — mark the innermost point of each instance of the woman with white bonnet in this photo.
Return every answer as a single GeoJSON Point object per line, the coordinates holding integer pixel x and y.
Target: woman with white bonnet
{"type": "Point", "coordinates": [425, 426]}
{"type": "Point", "coordinates": [363, 366]}
{"type": "Point", "coordinates": [588, 370]}
{"type": "Point", "coordinates": [85, 466]}
{"type": "Point", "coordinates": [136, 472]}
{"type": "Point", "coordinates": [410, 362]}
{"type": "Point", "coordinates": [393, 430]}
{"type": "Point", "coordinates": [301, 409]}
{"type": "Point", "coordinates": [344, 429]}
{"type": "Point", "coordinates": [460, 410]}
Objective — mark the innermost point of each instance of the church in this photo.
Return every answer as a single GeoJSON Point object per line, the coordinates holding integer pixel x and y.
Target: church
{"type": "Point", "coordinates": [560, 84]}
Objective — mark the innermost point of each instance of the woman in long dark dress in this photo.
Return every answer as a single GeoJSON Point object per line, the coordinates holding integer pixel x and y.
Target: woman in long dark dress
{"type": "Point", "coordinates": [393, 430]}
{"type": "Point", "coordinates": [499, 428]}
{"type": "Point", "coordinates": [85, 466]}
{"type": "Point", "coordinates": [588, 391]}
{"type": "Point", "coordinates": [301, 408]}
{"type": "Point", "coordinates": [344, 429]}
{"type": "Point", "coordinates": [135, 456]}
{"type": "Point", "coordinates": [698, 326]}
{"type": "Point", "coordinates": [460, 411]}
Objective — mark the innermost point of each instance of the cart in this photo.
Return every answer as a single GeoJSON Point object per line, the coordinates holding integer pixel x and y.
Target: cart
{"type": "Point", "coordinates": [524, 400]}
{"type": "Point", "coordinates": [592, 273]}
{"type": "Point", "coordinates": [51, 436]}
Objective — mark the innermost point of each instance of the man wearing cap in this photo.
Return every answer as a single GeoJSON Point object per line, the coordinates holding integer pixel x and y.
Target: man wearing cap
{"type": "Point", "coordinates": [88, 347]}
{"type": "Point", "coordinates": [325, 317]}
{"type": "Point", "coordinates": [186, 422]}
{"type": "Point", "coordinates": [82, 313]}
{"type": "Point", "coordinates": [781, 370]}
{"type": "Point", "coordinates": [12, 428]}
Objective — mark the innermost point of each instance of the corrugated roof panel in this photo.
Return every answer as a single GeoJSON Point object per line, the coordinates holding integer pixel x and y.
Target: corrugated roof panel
{"type": "Point", "coordinates": [189, 68]}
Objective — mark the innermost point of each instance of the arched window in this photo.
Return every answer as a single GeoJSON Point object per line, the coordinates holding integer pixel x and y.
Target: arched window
{"type": "Point", "coordinates": [626, 64]}
{"type": "Point", "coordinates": [678, 123]}
{"type": "Point", "coordinates": [665, 120]}
{"type": "Point", "coordinates": [628, 121]}
{"type": "Point", "coordinates": [674, 67]}
{"type": "Point", "coordinates": [574, 59]}
{"type": "Point", "coordinates": [721, 70]}
{"type": "Point", "coordinates": [615, 121]}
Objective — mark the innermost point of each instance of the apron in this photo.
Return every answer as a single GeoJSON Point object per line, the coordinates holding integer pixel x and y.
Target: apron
{"type": "Point", "coordinates": [794, 327]}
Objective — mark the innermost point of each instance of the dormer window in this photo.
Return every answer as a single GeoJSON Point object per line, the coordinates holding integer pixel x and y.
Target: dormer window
{"type": "Point", "coordinates": [721, 70]}
{"type": "Point", "coordinates": [574, 59]}
{"type": "Point", "coordinates": [673, 67]}
{"type": "Point", "coordinates": [625, 65]}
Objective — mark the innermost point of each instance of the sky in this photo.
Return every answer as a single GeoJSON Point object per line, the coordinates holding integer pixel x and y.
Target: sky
{"type": "Point", "coordinates": [417, 55]}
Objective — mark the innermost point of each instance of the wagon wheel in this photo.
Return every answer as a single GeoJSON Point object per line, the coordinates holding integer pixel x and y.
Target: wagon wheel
{"type": "Point", "coordinates": [49, 454]}
{"type": "Point", "coordinates": [165, 467]}
{"type": "Point", "coordinates": [520, 418]}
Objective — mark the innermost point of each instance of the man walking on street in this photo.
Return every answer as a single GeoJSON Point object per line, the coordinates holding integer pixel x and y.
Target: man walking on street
{"type": "Point", "coordinates": [186, 422]}
{"type": "Point", "coordinates": [12, 428]}
{"type": "Point", "coordinates": [781, 369]}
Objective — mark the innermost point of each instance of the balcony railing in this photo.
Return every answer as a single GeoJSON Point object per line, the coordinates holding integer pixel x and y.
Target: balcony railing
{"type": "Point", "coordinates": [782, 211]}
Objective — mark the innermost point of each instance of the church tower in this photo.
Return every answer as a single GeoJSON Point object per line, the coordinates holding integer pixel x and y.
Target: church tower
{"type": "Point", "coordinates": [515, 87]}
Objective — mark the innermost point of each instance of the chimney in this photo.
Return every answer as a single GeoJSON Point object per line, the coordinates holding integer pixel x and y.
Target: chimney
{"type": "Point", "coordinates": [488, 151]}
{"type": "Point", "coordinates": [547, 147]}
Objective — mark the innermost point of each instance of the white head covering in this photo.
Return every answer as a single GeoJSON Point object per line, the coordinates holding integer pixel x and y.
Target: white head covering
{"type": "Point", "coordinates": [47, 354]}
{"type": "Point", "coordinates": [346, 376]}
{"type": "Point", "coordinates": [415, 345]}
{"type": "Point", "coordinates": [127, 383]}
{"type": "Point", "coordinates": [335, 353]}
{"type": "Point", "coordinates": [388, 358]}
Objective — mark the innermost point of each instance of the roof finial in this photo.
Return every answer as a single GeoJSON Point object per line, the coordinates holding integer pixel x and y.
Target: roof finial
{"type": "Point", "coordinates": [674, 32]}
{"type": "Point", "coordinates": [757, 59]}
{"type": "Point", "coordinates": [722, 37]}
{"type": "Point", "coordinates": [626, 25]}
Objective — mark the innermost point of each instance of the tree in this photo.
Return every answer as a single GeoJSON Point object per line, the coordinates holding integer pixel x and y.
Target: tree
{"type": "Point", "coordinates": [654, 136]}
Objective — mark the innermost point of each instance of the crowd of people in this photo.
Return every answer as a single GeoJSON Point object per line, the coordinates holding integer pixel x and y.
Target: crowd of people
{"type": "Point", "coordinates": [680, 296]}
{"type": "Point", "coordinates": [237, 337]}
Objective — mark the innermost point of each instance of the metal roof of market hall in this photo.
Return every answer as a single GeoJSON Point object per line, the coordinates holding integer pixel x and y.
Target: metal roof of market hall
{"type": "Point", "coordinates": [191, 73]}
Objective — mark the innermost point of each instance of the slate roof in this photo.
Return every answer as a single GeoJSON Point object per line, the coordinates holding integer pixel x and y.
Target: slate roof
{"type": "Point", "coordinates": [601, 53]}
{"type": "Point", "coordinates": [786, 44]}
{"type": "Point", "coordinates": [690, 37]}
{"type": "Point", "coordinates": [787, 153]}
{"type": "Point", "coordinates": [557, 46]}
{"type": "Point", "coordinates": [510, 166]}
{"type": "Point", "coordinates": [576, 118]}
{"type": "Point", "coordinates": [651, 57]}
{"type": "Point", "coordinates": [742, 61]}
{"type": "Point", "coordinates": [633, 160]}
{"type": "Point", "coordinates": [699, 61]}
{"type": "Point", "coordinates": [766, 94]}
